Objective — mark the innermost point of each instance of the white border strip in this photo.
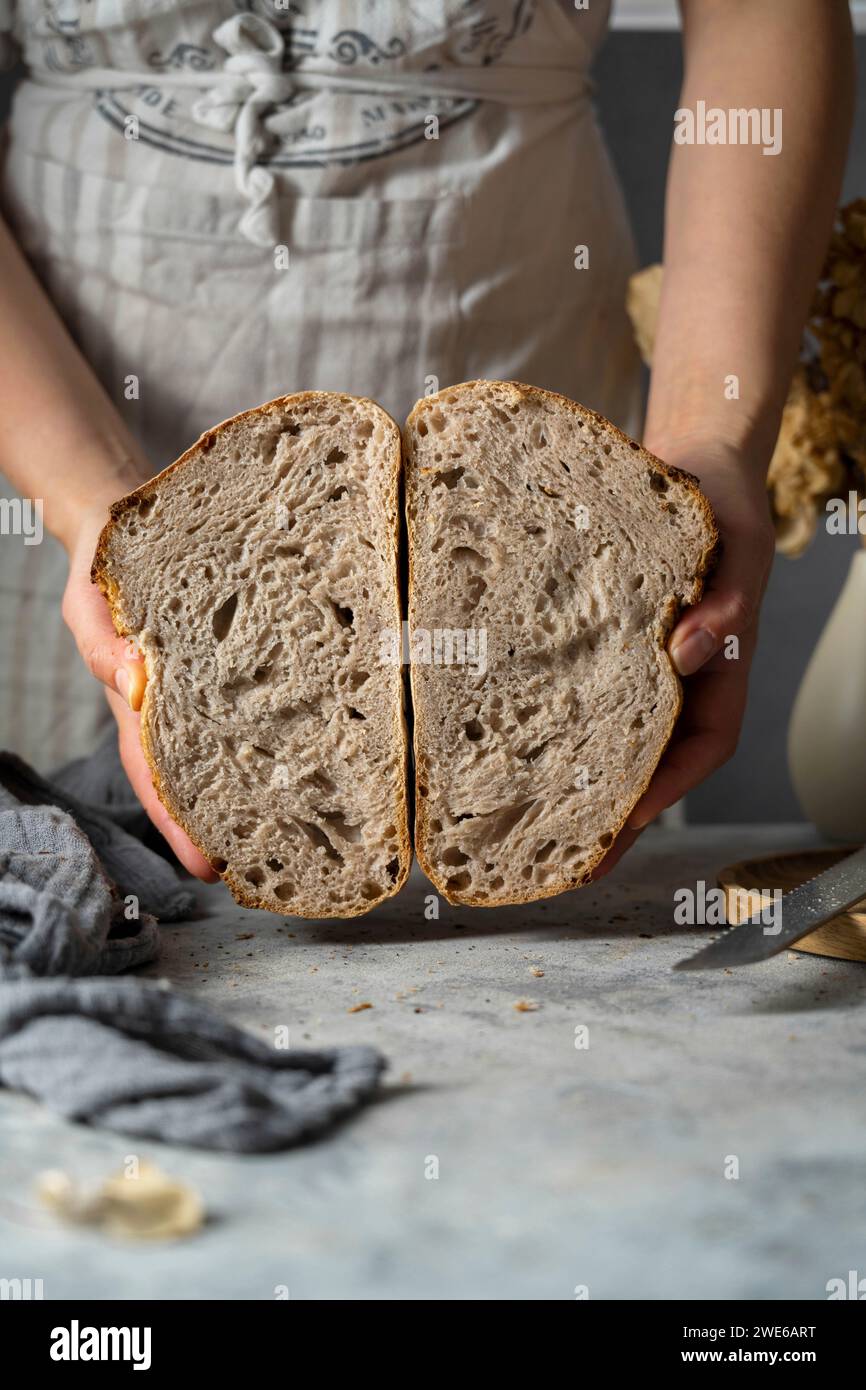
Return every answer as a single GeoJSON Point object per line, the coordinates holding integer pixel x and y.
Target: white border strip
{"type": "Point", "coordinates": [664, 14]}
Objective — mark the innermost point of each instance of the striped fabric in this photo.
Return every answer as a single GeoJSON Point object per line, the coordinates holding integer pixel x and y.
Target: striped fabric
{"type": "Point", "coordinates": [419, 237]}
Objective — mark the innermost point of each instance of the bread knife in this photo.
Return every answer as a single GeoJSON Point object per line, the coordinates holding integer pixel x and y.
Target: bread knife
{"type": "Point", "coordinates": [806, 907]}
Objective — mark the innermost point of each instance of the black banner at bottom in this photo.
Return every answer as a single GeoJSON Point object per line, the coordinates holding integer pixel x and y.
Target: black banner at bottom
{"type": "Point", "coordinates": [234, 1338]}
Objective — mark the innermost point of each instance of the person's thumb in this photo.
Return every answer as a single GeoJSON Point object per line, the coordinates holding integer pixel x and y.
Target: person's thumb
{"type": "Point", "coordinates": [728, 612]}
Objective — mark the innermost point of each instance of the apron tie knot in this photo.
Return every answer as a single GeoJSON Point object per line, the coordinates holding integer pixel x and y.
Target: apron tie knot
{"type": "Point", "coordinates": [251, 81]}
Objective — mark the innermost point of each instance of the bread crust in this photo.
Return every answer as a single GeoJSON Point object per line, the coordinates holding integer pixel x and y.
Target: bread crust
{"type": "Point", "coordinates": [100, 575]}
{"type": "Point", "coordinates": [520, 390]}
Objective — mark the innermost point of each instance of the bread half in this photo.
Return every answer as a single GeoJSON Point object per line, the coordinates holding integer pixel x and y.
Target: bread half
{"type": "Point", "coordinates": [549, 557]}
{"type": "Point", "coordinates": [257, 575]}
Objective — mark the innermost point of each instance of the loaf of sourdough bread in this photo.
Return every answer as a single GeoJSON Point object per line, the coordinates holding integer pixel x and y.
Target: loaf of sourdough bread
{"type": "Point", "coordinates": [257, 575]}
{"type": "Point", "coordinates": [549, 557]}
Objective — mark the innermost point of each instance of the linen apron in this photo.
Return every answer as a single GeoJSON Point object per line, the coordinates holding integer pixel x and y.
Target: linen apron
{"type": "Point", "coordinates": [230, 200]}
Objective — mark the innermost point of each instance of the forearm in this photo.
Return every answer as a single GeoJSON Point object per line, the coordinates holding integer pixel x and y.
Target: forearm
{"type": "Point", "coordinates": [62, 438]}
{"type": "Point", "coordinates": [745, 232]}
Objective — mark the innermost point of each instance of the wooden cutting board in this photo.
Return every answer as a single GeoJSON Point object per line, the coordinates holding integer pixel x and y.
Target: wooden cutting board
{"type": "Point", "coordinates": [843, 937]}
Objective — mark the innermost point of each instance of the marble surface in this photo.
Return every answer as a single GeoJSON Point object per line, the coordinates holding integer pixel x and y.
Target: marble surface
{"type": "Point", "coordinates": [559, 1167]}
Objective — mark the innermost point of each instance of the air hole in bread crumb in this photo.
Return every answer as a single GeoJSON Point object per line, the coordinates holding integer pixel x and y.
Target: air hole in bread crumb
{"type": "Point", "coordinates": [224, 617]}
{"type": "Point", "coordinates": [658, 482]}
{"type": "Point", "coordinates": [545, 851]}
{"type": "Point", "coordinates": [219, 865]}
{"type": "Point", "coordinates": [345, 617]}
{"type": "Point", "coordinates": [284, 891]}
{"type": "Point", "coordinates": [317, 837]}
{"type": "Point", "coordinates": [459, 881]}
{"type": "Point", "coordinates": [242, 831]}
{"type": "Point", "coordinates": [497, 883]}
{"type": "Point", "coordinates": [355, 713]}
{"type": "Point", "coordinates": [437, 420]}
{"type": "Point", "coordinates": [392, 868]}
{"type": "Point", "coordinates": [465, 555]}
{"type": "Point", "coordinates": [345, 829]}
{"type": "Point", "coordinates": [637, 582]}
{"type": "Point", "coordinates": [370, 890]}
{"type": "Point", "coordinates": [338, 493]}
{"type": "Point", "coordinates": [476, 588]}
{"type": "Point", "coordinates": [449, 477]}
{"type": "Point", "coordinates": [605, 839]}
{"type": "Point", "coordinates": [255, 876]}
{"type": "Point", "coordinates": [454, 857]}
{"type": "Point", "coordinates": [336, 456]}
{"type": "Point", "coordinates": [422, 428]}
{"type": "Point", "coordinates": [473, 730]}
{"type": "Point", "coordinates": [275, 865]}
{"type": "Point", "coordinates": [527, 712]}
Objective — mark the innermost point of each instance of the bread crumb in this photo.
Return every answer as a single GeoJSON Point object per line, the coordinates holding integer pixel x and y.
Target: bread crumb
{"type": "Point", "coordinates": [526, 1006]}
{"type": "Point", "coordinates": [245, 936]}
{"type": "Point", "coordinates": [534, 970]}
{"type": "Point", "coordinates": [356, 1008]}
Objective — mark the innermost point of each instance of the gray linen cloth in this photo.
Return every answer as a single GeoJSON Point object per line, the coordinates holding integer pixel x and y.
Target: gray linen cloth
{"type": "Point", "coordinates": [130, 1054]}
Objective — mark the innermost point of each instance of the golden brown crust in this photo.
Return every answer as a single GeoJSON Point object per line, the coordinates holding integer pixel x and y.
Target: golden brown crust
{"type": "Point", "coordinates": [704, 569]}
{"type": "Point", "coordinates": [100, 575]}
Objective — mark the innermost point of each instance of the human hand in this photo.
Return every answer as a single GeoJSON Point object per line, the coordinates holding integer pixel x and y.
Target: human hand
{"type": "Point", "coordinates": [115, 661]}
{"type": "Point", "coordinates": [715, 683]}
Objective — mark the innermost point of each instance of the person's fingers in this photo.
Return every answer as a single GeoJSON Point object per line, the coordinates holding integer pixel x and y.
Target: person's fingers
{"type": "Point", "coordinates": [111, 659]}
{"type": "Point", "coordinates": [705, 738]}
{"type": "Point", "coordinates": [139, 774]}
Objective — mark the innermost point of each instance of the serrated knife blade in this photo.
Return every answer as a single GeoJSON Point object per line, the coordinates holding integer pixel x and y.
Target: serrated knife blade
{"type": "Point", "coordinates": [803, 909]}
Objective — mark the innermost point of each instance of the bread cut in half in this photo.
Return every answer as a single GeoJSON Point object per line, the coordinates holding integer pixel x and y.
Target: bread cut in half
{"type": "Point", "coordinates": [258, 574]}
{"type": "Point", "coordinates": [549, 557]}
